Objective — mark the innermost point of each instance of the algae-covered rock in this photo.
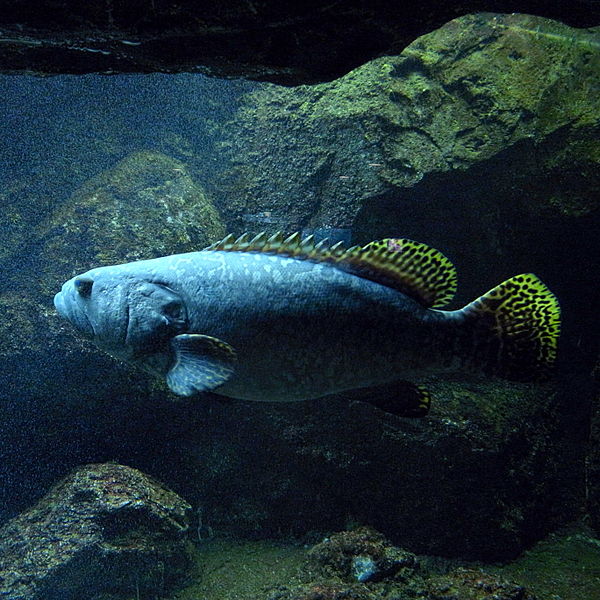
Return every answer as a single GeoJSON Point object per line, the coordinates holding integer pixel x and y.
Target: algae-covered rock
{"type": "Point", "coordinates": [328, 575]}
{"type": "Point", "coordinates": [144, 207]}
{"type": "Point", "coordinates": [103, 529]}
{"type": "Point", "coordinates": [361, 555]}
{"type": "Point", "coordinates": [475, 584]}
{"type": "Point", "coordinates": [479, 87]}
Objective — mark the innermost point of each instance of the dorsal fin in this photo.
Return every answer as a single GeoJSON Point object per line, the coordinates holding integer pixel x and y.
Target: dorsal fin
{"type": "Point", "coordinates": [414, 269]}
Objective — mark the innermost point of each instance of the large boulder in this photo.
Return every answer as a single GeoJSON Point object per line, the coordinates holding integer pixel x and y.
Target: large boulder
{"type": "Point", "coordinates": [146, 206]}
{"type": "Point", "coordinates": [479, 88]}
{"type": "Point", "coordinates": [493, 468]}
{"type": "Point", "coordinates": [103, 529]}
{"type": "Point", "coordinates": [77, 129]}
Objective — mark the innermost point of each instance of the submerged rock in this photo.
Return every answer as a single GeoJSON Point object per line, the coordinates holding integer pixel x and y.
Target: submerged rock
{"type": "Point", "coordinates": [332, 580]}
{"type": "Point", "coordinates": [363, 555]}
{"type": "Point", "coordinates": [494, 467]}
{"type": "Point", "coordinates": [480, 86]}
{"type": "Point", "coordinates": [104, 529]}
{"type": "Point", "coordinates": [144, 207]}
{"type": "Point", "coordinates": [478, 478]}
{"type": "Point", "coordinates": [475, 584]}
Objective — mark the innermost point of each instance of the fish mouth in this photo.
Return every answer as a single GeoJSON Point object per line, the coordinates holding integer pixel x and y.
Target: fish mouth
{"type": "Point", "coordinates": [67, 307]}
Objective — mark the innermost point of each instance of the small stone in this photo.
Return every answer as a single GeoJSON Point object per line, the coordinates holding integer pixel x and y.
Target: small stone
{"type": "Point", "coordinates": [362, 554]}
{"type": "Point", "coordinates": [363, 568]}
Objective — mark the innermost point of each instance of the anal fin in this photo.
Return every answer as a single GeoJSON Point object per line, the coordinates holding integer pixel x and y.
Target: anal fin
{"type": "Point", "coordinates": [400, 398]}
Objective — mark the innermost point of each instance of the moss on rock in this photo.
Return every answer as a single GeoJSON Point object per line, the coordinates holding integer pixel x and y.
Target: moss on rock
{"type": "Point", "coordinates": [144, 207]}
{"type": "Point", "coordinates": [104, 528]}
{"type": "Point", "coordinates": [453, 99]}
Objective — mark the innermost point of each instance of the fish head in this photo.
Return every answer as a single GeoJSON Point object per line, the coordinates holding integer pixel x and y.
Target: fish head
{"type": "Point", "coordinates": [127, 314]}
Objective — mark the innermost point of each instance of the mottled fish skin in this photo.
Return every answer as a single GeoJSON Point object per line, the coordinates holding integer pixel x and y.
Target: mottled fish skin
{"type": "Point", "coordinates": [300, 329]}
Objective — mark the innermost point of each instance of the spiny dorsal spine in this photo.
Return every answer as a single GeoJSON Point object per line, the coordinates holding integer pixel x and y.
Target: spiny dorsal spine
{"type": "Point", "coordinates": [413, 268]}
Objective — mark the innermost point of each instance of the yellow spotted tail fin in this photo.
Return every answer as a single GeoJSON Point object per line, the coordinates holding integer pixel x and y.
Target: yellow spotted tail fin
{"type": "Point", "coordinates": [513, 330]}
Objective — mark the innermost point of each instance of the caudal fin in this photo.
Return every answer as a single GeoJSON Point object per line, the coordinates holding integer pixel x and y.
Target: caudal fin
{"type": "Point", "coordinates": [513, 330]}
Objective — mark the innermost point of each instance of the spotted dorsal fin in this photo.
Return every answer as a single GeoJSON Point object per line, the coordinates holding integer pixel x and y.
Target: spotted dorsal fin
{"type": "Point", "coordinates": [413, 268]}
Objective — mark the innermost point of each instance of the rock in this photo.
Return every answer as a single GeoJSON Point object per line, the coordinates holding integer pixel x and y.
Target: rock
{"type": "Point", "coordinates": [103, 529]}
{"type": "Point", "coordinates": [500, 463]}
{"type": "Point", "coordinates": [363, 555]}
{"type": "Point", "coordinates": [290, 43]}
{"type": "Point", "coordinates": [332, 579]}
{"type": "Point", "coordinates": [146, 206]}
{"type": "Point", "coordinates": [74, 131]}
{"type": "Point", "coordinates": [452, 100]}
{"type": "Point", "coordinates": [474, 584]}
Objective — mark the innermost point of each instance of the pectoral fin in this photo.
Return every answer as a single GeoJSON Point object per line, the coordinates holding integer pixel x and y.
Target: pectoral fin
{"type": "Point", "coordinates": [202, 363]}
{"type": "Point", "coordinates": [400, 398]}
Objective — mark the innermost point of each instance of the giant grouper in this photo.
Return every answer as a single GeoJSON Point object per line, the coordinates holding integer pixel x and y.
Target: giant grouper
{"type": "Point", "coordinates": [273, 319]}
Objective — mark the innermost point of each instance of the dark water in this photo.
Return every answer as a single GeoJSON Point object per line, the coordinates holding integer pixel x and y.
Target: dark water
{"type": "Point", "coordinates": [484, 147]}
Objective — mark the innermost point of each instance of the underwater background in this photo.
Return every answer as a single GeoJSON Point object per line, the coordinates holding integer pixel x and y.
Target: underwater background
{"type": "Point", "coordinates": [480, 139]}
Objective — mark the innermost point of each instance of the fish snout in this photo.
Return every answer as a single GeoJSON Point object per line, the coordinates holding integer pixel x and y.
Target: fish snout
{"type": "Point", "coordinates": [67, 304]}
{"type": "Point", "coordinates": [59, 305]}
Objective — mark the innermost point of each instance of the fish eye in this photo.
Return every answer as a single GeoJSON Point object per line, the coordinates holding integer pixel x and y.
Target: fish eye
{"type": "Point", "coordinates": [83, 285]}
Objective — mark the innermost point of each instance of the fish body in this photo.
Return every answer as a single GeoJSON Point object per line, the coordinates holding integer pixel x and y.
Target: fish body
{"type": "Point", "coordinates": [281, 321]}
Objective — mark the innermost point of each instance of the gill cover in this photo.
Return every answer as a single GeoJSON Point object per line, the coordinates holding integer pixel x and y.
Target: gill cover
{"type": "Point", "coordinates": [156, 314]}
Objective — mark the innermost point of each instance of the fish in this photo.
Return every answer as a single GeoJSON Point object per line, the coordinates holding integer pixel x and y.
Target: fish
{"type": "Point", "coordinates": [268, 318]}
